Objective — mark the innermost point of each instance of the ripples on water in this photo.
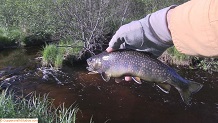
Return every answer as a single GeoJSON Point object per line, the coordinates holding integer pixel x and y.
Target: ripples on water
{"type": "Point", "coordinates": [126, 102]}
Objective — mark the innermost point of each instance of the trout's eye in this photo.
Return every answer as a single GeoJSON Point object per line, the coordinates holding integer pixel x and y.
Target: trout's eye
{"type": "Point", "coordinates": [91, 60]}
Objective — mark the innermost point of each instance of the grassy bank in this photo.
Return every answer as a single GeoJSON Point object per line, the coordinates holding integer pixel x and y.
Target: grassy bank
{"type": "Point", "coordinates": [174, 57]}
{"type": "Point", "coordinates": [76, 28]}
{"type": "Point", "coordinates": [35, 106]}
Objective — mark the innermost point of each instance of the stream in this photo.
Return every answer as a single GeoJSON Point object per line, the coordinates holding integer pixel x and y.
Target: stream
{"type": "Point", "coordinates": [110, 102]}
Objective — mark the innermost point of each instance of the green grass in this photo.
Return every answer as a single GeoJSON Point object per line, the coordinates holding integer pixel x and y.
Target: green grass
{"type": "Point", "coordinates": [176, 54]}
{"type": "Point", "coordinates": [174, 57]}
{"type": "Point", "coordinates": [58, 61]}
{"type": "Point", "coordinates": [207, 64]}
{"type": "Point", "coordinates": [54, 55]}
{"type": "Point", "coordinates": [35, 106]}
{"type": "Point", "coordinates": [49, 54]}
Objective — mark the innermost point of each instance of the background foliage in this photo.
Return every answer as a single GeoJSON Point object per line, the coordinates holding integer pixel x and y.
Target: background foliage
{"type": "Point", "coordinates": [89, 21]}
{"type": "Point", "coordinates": [80, 26]}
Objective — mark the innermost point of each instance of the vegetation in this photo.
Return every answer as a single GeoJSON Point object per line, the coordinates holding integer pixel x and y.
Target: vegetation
{"type": "Point", "coordinates": [70, 29]}
{"type": "Point", "coordinates": [9, 37]}
{"type": "Point", "coordinates": [33, 106]}
{"type": "Point", "coordinates": [173, 56]}
{"type": "Point", "coordinates": [176, 54]}
{"type": "Point", "coordinates": [86, 20]}
{"type": "Point", "coordinates": [83, 26]}
{"type": "Point", "coordinates": [54, 55]}
{"type": "Point", "coordinates": [207, 64]}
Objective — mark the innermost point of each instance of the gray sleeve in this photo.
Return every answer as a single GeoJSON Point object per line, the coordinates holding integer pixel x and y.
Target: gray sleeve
{"type": "Point", "coordinates": [150, 34]}
{"type": "Point", "coordinates": [156, 32]}
{"type": "Point", "coordinates": [156, 27]}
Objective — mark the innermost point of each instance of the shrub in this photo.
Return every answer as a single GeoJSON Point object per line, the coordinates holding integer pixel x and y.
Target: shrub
{"type": "Point", "coordinates": [39, 38]}
{"type": "Point", "coordinates": [9, 37]}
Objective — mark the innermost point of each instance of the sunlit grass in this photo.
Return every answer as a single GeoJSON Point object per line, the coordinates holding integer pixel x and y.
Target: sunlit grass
{"type": "Point", "coordinates": [35, 106]}
{"type": "Point", "coordinates": [49, 54]}
{"type": "Point", "coordinates": [54, 55]}
{"type": "Point", "coordinates": [58, 61]}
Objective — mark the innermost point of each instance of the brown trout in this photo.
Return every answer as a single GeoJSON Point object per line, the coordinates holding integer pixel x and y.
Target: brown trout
{"type": "Point", "coordinates": [141, 66]}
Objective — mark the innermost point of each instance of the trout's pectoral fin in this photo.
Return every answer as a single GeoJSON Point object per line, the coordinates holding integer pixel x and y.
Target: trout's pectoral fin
{"type": "Point", "coordinates": [164, 87]}
{"type": "Point", "coordinates": [137, 80]}
{"type": "Point", "coordinates": [118, 80]}
{"type": "Point", "coordinates": [106, 77]}
{"type": "Point", "coordinates": [93, 72]}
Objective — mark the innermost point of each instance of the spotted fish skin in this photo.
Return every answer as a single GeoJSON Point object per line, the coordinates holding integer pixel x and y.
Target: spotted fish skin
{"type": "Point", "coordinates": [143, 65]}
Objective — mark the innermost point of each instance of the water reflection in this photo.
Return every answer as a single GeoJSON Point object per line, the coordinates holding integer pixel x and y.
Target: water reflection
{"type": "Point", "coordinates": [126, 102]}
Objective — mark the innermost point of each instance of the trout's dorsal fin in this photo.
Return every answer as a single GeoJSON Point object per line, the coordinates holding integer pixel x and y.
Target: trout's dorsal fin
{"type": "Point", "coordinates": [106, 77]}
{"type": "Point", "coordinates": [137, 80]}
{"type": "Point", "coordinates": [164, 87]}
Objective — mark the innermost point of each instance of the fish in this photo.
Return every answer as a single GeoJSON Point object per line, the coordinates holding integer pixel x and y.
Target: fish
{"type": "Point", "coordinates": [141, 66]}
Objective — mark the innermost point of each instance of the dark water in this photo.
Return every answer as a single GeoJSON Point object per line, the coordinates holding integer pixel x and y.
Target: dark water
{"type": "Point", "coordinates": [126, 102]}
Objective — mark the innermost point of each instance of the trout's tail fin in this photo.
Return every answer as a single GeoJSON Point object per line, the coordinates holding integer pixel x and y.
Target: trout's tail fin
{"type": "Point", "coordinates": [193, 87]}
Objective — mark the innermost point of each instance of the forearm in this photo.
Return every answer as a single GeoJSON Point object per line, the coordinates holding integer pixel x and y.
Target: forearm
{"type": "Point", "coordinates": [194, 27]}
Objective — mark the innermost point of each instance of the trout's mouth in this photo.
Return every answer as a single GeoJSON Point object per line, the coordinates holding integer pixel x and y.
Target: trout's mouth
{"type": "Point", "coordinates": [93, 65]}
{"type": "Point", "coordinates": [89, 67]}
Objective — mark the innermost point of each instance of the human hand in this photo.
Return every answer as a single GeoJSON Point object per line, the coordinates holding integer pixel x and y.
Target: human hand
{"type": "Point", "coordinates": [127, 36]}
{"type": "Point", "coordinates": [149, 34]}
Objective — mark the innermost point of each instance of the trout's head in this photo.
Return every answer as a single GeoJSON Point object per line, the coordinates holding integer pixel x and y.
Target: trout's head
{"type": "Point", "coordinates": [94, 64]}
{"type": "Point", "coordinates": [99, 63]}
